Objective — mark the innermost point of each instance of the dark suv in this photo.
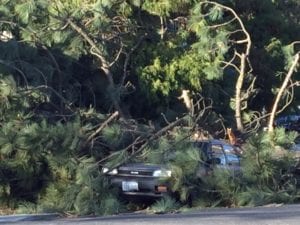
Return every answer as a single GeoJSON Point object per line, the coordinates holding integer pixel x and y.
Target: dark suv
{"type": "Point", "coordinates": [152, 180]}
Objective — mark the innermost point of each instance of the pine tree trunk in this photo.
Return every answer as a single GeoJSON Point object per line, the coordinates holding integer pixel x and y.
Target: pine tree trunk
{"type": "Point", "coordinates": [238, 90]}
{"type": "Point", "coordinates": [112, 88]}
{"type": "Point", "coordinates": [162, 28]}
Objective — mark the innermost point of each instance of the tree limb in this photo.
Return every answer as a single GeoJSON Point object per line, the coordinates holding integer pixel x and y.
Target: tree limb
{"type": "Point", "coordinates": [222, 24]}
{"type": "Point", "coordinates": [145, 142]}
{"type": "Point", "coordinates": [128, 55]}
{"type": "Point", "coordinates": [101, 127]}
{"type": "Point", "coordinates": [281, 90]}
{"type": "Point", "coordinates": [18, 70]}
{"type": "Point", "coordinates": [117, 56]}
{"type": "Point", "coordinates": [105, 65]}
{"type": "Point", "coordinates": [93, 45]}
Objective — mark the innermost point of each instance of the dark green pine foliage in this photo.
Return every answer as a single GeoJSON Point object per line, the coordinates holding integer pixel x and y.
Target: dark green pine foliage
{"type": "Point", "coordinates": [43, 162]}
{"type": "Point", "coordinates": [187, 58]}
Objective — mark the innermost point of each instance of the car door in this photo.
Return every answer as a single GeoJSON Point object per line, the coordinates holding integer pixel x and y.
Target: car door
{"type": "Point", "coordinates": [218, 156]}
{"type": "Point", "coordinates": [204, 166]}
{"type": "Point", "coordinates": [232, 158]}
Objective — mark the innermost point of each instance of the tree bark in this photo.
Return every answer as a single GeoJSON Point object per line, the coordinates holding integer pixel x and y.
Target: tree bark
{"type": "Point", "coordinates": [162, 28]}
{"type": "Point", "coordinates": [238, 90]}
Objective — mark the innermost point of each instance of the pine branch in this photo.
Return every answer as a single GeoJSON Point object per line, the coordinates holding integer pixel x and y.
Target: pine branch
{"type": "Point", "coordinates": [128, 55]}
{"type": "Point", "coordinates": [101, 127]}
{"type": "Point", "coordinates": [93, 45]}
{"type": "Point", "coordinates": [105, 65]}
{"type": "Point", "coordinates": [142, 143]}
{"type": "Point", "coordinates": [117, 56]}
{"type": "Point", "coordinates": [57, 67]}
{"type": "Point", "coordinates": [222, 24]}
{"type": "Point", "coordinates": [137, 141]}
{"type": "Point", "coordinates": [18, 70]}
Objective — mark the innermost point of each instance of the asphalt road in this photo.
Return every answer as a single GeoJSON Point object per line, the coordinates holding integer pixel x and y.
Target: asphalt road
{"type": "Point", "coordinates": [271, 215]}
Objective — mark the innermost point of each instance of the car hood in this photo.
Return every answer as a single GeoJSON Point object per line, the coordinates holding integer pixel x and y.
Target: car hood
{"type": "Point", "coordinates": [140, 167]}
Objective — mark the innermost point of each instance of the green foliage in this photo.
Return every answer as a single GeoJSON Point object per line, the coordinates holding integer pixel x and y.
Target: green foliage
{"type": "Point", "coordinates": [110, 205]}
{"type": "Point", "coordinates": [289, 52]}
{"type": "Point", "coordinates": [53, 199]}
{"type": "Point", "coordinates": [215, 13]}
{"type": "Point", "coordinates": [113, 134]}
{"type": "Point", "coordinates": [223, 189]}
{"type": "Point", "coordinates": [84, 202]}
{"type": "Point", "coordinates": [164, 7]}
{"type": "Point", "coordinates": [170, 73]}
{"type": "Point", "coordinates": [164, 205]}
{"type": "Point", "coordinates": [26, 208]}
{"type": "Point", "coordinates": [188, 60]}
{"type": "Point", "coordinates": [263, 196]}
{"type": "Point", "coordinates": [84, 193]}
{"type": "Point", "coordinates": [43, 160]}
{"type": "Point", "coordinates": [265, 157]}
{"type": "Point", "coordinates": [24, 10]}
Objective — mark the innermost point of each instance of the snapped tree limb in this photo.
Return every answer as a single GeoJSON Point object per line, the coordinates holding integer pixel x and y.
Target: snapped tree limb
{"type": "Point", "coordinates": [281, 91]}
{"type": "Point", "coordinates": [243, 59]}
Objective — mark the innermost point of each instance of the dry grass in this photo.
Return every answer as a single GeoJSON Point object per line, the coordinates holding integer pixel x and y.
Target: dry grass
{"type": "Point", "coordinates": [7, 211]}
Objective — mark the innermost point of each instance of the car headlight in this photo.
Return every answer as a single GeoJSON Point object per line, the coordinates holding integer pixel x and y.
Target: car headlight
{"type": "Point", "coordinates": [162, 173]}
{"type": "Point", "coordinates": [106, 170]}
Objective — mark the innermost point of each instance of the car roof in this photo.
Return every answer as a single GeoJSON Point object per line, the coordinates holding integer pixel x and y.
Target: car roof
{"type": "Point", "coordinates": [213, 141]}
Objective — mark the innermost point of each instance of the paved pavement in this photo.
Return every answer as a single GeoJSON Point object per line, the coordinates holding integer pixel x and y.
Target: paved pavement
{"type": "Point", "coordinates": [272, 215]}
{"type": "Point", "coordinates": [28, 217]}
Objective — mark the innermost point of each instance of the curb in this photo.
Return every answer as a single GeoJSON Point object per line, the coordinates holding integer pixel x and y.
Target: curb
{"type": "Point", "coordinates": [28, 217]}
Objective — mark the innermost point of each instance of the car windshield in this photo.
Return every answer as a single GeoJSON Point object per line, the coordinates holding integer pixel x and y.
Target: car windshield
{"type": "Point", "coordinates": [202, 145]}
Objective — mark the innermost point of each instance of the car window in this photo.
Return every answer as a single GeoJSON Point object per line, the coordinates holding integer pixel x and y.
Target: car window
{"type": "Point", "coordinates": [228, 148]}
{"type": "Point", "coordinates": [217, 152]}
{"type": "Point", "coordinates": [203, 146]}
{"type": "Point", "coordinates": [233, 159]}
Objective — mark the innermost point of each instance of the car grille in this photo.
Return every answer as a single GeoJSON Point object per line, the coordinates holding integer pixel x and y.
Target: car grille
{"type": "Point", "coordinates": [135, 173]}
